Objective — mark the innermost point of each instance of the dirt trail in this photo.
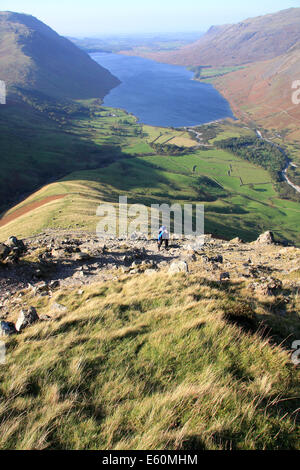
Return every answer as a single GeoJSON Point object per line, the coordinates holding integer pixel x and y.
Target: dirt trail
{"type": "Point", "coordinates": [28, 208]}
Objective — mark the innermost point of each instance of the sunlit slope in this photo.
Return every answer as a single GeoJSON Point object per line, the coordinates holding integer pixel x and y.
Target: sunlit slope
{"type": "Point", "coordinates": [129, 365]}
{"type": "Point", "coordinates": [263, 92]}
{"type": "Point", "coordinates": [251, 40]}
{"type": "Point", "coordinates": [202, 177]}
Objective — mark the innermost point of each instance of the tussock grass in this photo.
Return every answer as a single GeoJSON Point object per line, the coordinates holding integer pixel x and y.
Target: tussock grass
{"type": "Point", "coordinates": [146, 363]}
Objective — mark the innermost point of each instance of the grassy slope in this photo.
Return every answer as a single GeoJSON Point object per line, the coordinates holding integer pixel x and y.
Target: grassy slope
{"type": "Point", "coordinates": [35, 149]}
{"type": "Point", "coordinates": [246, 210]}
{"type": "Point", "coordinates": [231, 209]}
{"type": "Point", "coordinates": [262, 93]}
{"type": "Point", "coordinates": [131, 366]}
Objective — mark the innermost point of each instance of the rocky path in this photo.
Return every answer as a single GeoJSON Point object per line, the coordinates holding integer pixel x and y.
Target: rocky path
{"type": "Point", "coordinates": [60, 259]}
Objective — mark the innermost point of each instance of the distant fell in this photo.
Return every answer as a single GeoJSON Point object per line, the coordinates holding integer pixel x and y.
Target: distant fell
{"type": "Point", "coordinates": [252, 40]}
{"type": "Point", "coordinates": [34, 57]}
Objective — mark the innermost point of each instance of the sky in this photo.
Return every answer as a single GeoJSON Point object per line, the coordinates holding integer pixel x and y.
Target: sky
{"type": "Point", "coordinates": [95, 17]}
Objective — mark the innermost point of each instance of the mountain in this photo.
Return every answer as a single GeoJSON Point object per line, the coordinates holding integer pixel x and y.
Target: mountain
{"type": "Point", "coordinates": [262, 92]}
{"type": "Point", "coordinates": [44, 74]}
{"type": "Point", "coordinates": [254, 39]}
{"type": "Point", "coordinates": [34, 57]}
{"type": "Point", "coordinates": [266, 49]}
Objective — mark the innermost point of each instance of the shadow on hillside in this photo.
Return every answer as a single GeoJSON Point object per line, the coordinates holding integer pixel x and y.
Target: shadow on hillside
{"type": "Point", "coordinates": [277, 325]}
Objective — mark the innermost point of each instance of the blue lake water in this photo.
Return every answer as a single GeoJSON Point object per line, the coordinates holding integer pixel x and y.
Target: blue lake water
{"type": "Point", "coordinates": [160, 94]}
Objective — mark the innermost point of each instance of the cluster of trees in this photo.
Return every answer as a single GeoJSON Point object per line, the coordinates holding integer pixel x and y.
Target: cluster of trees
{"type": "Point", "coordinates": [120, 129]}
{"type": "Point", "coordinates": [257, 151]}
{"type": "Point", "coordinates": [168, 149]}
{"type": "Point", "coordinates": [61, 111]}
{"type": "Point", "coordinates": [294, 175]}
{"type": "Point", "coordinates": [285, 191]}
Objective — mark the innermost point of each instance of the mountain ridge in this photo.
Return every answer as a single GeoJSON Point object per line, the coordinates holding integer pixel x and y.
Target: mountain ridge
{"type": "Point", "coordinates": [35, 57]}
{"type": "Point", "coordinates": [251, 40]}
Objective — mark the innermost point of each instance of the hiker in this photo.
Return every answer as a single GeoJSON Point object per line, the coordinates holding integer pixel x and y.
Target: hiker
{"type": "Point", "coordinates": [163, 236]}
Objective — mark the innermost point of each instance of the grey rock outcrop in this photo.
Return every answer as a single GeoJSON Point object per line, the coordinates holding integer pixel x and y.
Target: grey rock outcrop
{"type": "Point", "coordinates": [26, 318]}
{"type": "Point", "coordinates": [266, 238]}
{"type": "Point", "coordinates": [179, 267]}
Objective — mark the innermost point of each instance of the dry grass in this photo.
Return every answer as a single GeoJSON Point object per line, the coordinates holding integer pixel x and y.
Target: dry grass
{"type": "Point", "coordinates": [146, 363]}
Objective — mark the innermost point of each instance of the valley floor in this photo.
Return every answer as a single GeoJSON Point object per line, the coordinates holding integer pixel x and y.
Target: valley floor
{"type": "Point", "coordinates": [157, 165]}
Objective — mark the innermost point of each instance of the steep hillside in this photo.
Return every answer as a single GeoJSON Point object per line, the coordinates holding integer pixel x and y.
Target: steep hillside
{"type": "Point", "coordinates": [33, 56]}
{"type": "Point", "coordinates": [44, 74]}
{"type": "Point", "coordinates": [262, 92]}
{"type": "Point", "coordinates": [252, 40]}
{"type": "Point", "coordinates": [112, 359]}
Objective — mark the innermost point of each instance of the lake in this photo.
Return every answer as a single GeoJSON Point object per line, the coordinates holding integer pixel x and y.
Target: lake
{"type": "Point", "coordinates": [161, 94]}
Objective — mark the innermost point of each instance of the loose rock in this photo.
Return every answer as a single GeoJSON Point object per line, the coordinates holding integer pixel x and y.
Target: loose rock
{"type": "Point", "coordinates": [179, 267]}
{"type": "Point", "coordinates": [266, 238]}
{"type": "Point", "coordinates": [26, 318]}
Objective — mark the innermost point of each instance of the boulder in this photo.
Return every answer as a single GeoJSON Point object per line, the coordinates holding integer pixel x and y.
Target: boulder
{"type": "Point", "coordinates": [179, 267]}
{"type": "Point", "coordinates": [134, 271]}
{"type": "Point", "coordinates": [125, 269]}
{"type": "Point", "coordinates": [224, 277]}
{"type": "Point", "coordinates": [41, 288]}
{"type": "Point", "coordinates": [26, 318]}
{"type": "Point", "coordinates": [7, 328]}
{"type": "Point", "coordinates": [272, 287]}
{"type": "Point", "coordinates": [136, 264]}
{"type": "Point", "coordinates": [266, 238]}
{"type": "Point", "coordinates": [54, 284]}
{"type": "Point", "coordinates": [4, 251]}
{"type": "Point", "coordinates": [190, 258]}
{"type": "Point", "coordinates": [17, 247]}
{"type": "Point", "coordinates": [237, 240]}
{"type": "Point", "coordinates": [82, 256]}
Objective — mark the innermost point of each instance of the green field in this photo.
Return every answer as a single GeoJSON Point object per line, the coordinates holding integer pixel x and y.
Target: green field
{"type": "Point", "coordinates": [110, 154]}
{"type": "Point", "coordinates": [202, 177]}
{"type": "Point", "coordinates": [210, 73]}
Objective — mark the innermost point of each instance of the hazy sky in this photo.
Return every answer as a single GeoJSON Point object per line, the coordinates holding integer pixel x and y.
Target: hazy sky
{"type": "Point", "coordinates": [92, 17]}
